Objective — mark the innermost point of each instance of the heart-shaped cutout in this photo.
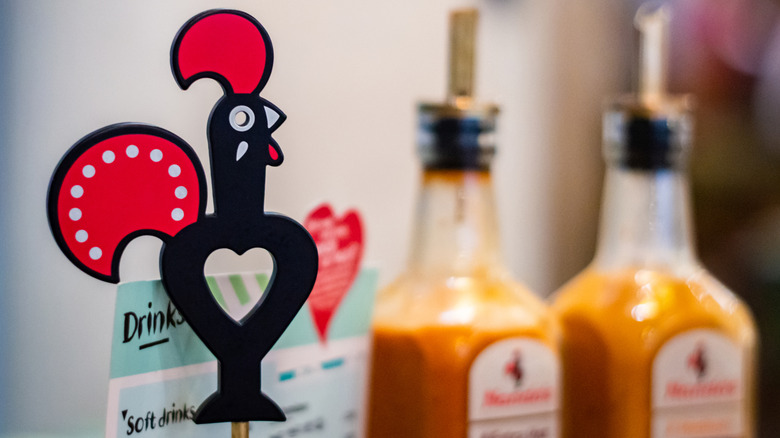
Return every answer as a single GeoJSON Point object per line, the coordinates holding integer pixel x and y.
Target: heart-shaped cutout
{"type": "Point", "coordinates": [340, 246]}
{"type": "Point", "coordinates": [239, 294]}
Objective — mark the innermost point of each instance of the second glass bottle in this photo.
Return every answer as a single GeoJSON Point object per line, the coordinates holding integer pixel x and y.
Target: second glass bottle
{"type": "Point", "coordinates": [459, 348]}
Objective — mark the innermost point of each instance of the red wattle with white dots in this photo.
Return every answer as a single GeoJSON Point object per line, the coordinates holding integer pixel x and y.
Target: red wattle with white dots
{"type": "Point", "coordinates": [122, 185]}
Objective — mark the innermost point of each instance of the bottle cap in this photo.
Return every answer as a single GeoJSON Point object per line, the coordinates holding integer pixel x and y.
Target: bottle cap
{"type": "Point", "coordinates": [645, 137]}
{"type": "Point", "coordinates": [453, 138]}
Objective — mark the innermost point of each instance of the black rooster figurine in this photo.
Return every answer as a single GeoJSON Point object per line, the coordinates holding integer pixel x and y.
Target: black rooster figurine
{"type": "Point", "coordinates": [128, 180]}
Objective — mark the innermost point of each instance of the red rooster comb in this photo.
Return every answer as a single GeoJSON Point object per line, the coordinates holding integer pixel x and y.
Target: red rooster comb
{"type": "Point", "coordinates": [228, 46]}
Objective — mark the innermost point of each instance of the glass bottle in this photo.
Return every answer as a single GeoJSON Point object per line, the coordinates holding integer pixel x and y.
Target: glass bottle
{"type": "Point", "coordinates": [653, 345]}
{"type": "Point", "coordinates": [459, 348]}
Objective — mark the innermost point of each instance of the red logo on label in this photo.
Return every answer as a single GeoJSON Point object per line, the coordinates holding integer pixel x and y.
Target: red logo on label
{"type": "Point", "coordinates": [514, 368]}
{"type": "Point", "coordinates": [697, 361]}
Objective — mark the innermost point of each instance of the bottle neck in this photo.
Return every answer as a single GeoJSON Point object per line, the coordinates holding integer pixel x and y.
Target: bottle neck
{"type": "Point", "coordinates": [456, 232]}
{"type": "Point", "coordinates": [646, 221]}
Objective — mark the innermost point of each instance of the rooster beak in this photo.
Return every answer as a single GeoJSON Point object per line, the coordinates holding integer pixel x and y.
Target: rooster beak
{"type": "Point", "coordinates": [274, 116]}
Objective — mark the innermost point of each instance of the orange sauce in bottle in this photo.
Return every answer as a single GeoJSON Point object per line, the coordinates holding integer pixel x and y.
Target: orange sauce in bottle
{"type": "Point", "coordinates": [454, 301]}
{"type": "Point", "coordinates": [421, 361]}
{"type": "Point", "coordinates": [614, 324]}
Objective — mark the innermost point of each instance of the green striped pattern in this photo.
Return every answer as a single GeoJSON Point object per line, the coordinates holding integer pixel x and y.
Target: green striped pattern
{"type": "Point", "coordinates": [238, 293]}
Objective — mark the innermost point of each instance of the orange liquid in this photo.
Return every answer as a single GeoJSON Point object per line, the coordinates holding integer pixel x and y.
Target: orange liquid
{"type": "Point", "coordinates": [426, 336]}
{"type": "Point", "coordinates": [613, 326]}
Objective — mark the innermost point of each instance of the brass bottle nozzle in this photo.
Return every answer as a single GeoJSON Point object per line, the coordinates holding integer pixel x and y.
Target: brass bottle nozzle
{"type": "Point", "coordinates": [463, 30]}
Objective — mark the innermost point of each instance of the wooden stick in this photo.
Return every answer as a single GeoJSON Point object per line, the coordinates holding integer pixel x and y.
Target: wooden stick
{"type": "Point", "coordinates": [239, 430]}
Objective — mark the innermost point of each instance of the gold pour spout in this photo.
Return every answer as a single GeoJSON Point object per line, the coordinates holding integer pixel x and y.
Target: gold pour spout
{"type": "Point", "coordinates": [463, 31]}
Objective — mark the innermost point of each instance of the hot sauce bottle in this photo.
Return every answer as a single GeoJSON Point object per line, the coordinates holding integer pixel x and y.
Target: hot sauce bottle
{"type": "Point", "coordinates": [653, 345]}
{"type": "Point", "coordinates": [459, 348]}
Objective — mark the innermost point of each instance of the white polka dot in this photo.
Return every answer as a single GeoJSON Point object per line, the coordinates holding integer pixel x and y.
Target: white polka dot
{"type": "Point", "coordinates": [132, 151]}
{"type": "Point", "coordinates": [177, 214]}
{"type": "Point", "coordinates": [174, 170]}
{"type": "Point", "coordinates": [88, 171]}
{"type": "Point", "coordinates": [95, 253]}
{"type": "Point", "coordinates": [77, 191]}
{"type": "Point", "coordinates": [108, 157]}
{"type": "Point", "coordinates": [181, 192]}
{"type": "Point", "coordinates": [81, 236]}
{"type": "Point", "coordinates": [156, 155]}
{"type": "Point", "coordinates": [74, 214]}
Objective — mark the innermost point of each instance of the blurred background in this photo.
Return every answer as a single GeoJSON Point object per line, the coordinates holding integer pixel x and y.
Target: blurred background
{"type": "Point", "coordinates": [348, 73]}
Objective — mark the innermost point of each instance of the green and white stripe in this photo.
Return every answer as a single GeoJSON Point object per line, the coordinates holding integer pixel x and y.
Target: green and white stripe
{"type": "Point", "coordinates": [238, 293]}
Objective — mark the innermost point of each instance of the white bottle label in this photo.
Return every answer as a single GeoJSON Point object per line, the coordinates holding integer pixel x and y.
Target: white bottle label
{"type": "Point", "coordinates": [514, 391]}
{"type": "Point", "coordinates": [698, 387]}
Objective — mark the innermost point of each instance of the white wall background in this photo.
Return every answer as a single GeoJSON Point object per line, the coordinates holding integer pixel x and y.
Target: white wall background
{"type": "Point", "coordinates": [347, 73]}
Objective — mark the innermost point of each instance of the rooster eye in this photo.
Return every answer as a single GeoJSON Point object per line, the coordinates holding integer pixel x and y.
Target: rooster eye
{"type": "Point", "coordinates": [242, 118]}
